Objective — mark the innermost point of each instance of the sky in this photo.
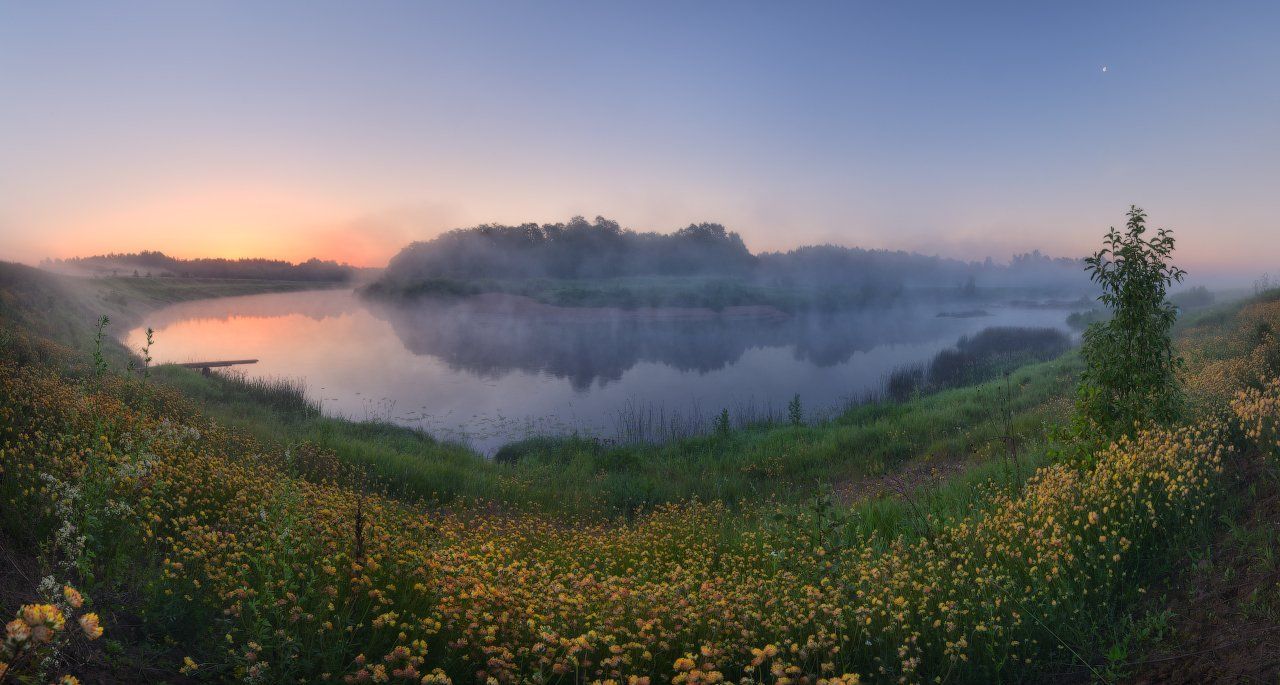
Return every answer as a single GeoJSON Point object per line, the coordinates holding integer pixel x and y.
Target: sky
{"type": "Point", "coordinates": [346, 130]}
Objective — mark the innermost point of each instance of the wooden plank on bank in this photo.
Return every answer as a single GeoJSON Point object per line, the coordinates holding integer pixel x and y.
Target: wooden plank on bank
{"type": "Point", "coordinates": [209, 365]}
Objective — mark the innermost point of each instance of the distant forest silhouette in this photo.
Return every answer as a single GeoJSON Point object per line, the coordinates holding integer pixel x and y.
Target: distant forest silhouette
{"type": "Point", "coordinates": [157, 264]}
{"type": "Point", "coordinates": [582, 249]}
{"type": "Point", "coordinates": [602, 249]}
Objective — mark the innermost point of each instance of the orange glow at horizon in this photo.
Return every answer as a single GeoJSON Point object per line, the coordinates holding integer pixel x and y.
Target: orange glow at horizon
{"type": "Point", "coordinates": [270, 221]}
{"type": "Point", "coordinates": [208, 237]}
{"type": "Point", "coordinates": [231, 223]}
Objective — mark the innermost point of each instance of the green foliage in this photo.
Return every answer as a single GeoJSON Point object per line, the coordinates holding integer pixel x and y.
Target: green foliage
{"type": "Point", "coordinates": [99, 361]}
{"type": "Point", "coordinates": [861, 442]}
{"type": "Point", "coordinates": [585, 259]}
{"type": "Point", "coordinates": [1082, 320]}
{"type": "Point", "coordinates": [1131, 370]}
{"type": "Point", "coordinates": [795, 412]}
{"type": "Point", "coordinates": [312, 270]}
{"type": "Point", "coordinates": [975, 359]}
{"type": "Point", "coordinates": [722, 425]}
{"type": "Point", "coordinates": [146, 355]}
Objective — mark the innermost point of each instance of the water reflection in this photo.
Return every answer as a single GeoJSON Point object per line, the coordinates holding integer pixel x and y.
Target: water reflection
{"type": "Point", "coordinates": [600, 347]}
{"type": "Point", "coordinates": [488, 370]}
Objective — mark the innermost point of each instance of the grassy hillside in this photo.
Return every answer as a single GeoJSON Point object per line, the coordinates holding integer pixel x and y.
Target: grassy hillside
{"type": "Point", "coordinates": [64, 308]}
{"type": "Point", "coordinates": [267, 562]}
{"type": "Point", "coordinates": [961, 425]}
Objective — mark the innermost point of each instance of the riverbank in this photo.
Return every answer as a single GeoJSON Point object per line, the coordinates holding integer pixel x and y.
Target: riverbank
{"type": "Point", "coordinates": [64, 308]}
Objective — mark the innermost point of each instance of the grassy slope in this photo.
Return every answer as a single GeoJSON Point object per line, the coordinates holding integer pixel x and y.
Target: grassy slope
{"type": "Point", "coordinates": [509, 584]}
{"type": "Point", "coordinates": [583, 477]}
{"type": "Point", "coordinates": [935, 508]}
{"type": "Point", "coordinates": [64, 308]}
{"type": "Point", "coordinates": [409, 462]}
{"type": "Point", "coordinates": [866, 440]}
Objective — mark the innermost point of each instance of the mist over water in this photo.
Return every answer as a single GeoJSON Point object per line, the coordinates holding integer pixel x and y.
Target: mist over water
{"type": "Point", "coordinates": [489, 370]}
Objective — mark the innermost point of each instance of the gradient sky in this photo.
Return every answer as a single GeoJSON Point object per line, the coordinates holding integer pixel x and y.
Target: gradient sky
{"type": "Point", "coordinates": [345, 130]}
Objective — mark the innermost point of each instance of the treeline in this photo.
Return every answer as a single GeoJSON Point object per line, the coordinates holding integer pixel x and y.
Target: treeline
{"type": "Point", "coordinates": [576, 249]}
{"type": "Point", "coordinates": [825, 265]}
{"type": "Point", "coordinates": [157, 264]}
{"type": "Point", "coordinates": [582, 249]}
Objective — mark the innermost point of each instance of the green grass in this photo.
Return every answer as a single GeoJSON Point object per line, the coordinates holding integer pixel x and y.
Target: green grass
{"type": "Point", "coordinates": [924, 510]}
{"type": "Point", "coordinates": [758, 462]}
{"type": "Point", "coordinates": [408, 462]}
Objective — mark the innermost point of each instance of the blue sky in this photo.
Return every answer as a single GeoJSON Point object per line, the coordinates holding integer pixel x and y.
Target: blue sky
{"type": "Point", "coordinates": [346, 129]}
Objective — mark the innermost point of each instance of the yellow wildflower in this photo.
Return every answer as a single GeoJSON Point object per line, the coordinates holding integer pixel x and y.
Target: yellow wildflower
{"type": "Point", "coordinates": [89, 624]}
{"type": "Point", "coordinates": [73, 596]}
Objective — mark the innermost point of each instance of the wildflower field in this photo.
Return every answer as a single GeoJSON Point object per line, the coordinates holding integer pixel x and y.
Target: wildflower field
{"type": "Point", "coordinates": [239, 560]}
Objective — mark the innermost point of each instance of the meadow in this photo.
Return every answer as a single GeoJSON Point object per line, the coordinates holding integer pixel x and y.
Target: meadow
{"type": "Point", "coordinates": [217, 546]}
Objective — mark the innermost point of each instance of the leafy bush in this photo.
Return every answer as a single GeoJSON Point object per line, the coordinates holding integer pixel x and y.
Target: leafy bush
{"type": "Point", "coordinates": [1130, 377]}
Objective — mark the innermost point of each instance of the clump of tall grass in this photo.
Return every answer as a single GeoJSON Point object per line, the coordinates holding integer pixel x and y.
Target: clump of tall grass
{"type": "Point", "coordinates": [905, 382]}
{"type": "Point", "coordinates": [655, 423]}
{"type": "Point", "coordinates": [975, 359]}
{"type": "Point", "coordinates": [993, 350]}
{"type": "Point", "coordinates": [286, 395]}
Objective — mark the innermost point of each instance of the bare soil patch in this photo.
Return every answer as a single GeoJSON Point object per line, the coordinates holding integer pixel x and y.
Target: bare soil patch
{"type": "Point", "coordinates": [1227, 606]}
{"type": "Point", "coordinates": [912, 476]}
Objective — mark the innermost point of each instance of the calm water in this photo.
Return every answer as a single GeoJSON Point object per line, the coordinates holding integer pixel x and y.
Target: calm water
{"type": "Point", "coordinates": [487, 375]}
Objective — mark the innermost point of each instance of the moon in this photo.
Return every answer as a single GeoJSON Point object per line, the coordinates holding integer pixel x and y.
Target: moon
{"type": "Point", "coordinates": [1104, 69]}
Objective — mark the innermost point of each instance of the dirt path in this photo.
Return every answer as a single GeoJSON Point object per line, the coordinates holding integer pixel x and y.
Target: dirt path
{"type": "Point", "coordinates": [915, 474]}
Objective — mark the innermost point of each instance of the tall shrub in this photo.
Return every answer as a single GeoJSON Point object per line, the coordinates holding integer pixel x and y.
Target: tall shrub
{"type": "Point", "coordinates": [1131, 370]}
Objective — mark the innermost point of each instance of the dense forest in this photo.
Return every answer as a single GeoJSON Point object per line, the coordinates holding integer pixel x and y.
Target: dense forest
{"type": "Point", "coordinates": [158, 264]}
{"type": "Point", "coordinates": [577, 249]}
{"type": "Point", "coordinates": [602, 249]}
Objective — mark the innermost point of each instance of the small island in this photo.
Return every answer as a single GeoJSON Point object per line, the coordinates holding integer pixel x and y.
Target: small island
{"type": "Point", "coordinates": [704, 266]}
